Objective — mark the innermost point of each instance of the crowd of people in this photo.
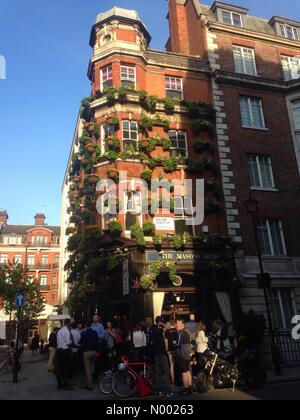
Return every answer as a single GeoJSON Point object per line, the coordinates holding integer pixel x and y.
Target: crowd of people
{"type": "Point", "coordinates": [171, 346]}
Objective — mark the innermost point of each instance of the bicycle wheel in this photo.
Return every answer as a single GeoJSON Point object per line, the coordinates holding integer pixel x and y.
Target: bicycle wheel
{"type": "Point", "coordinates": [106, 385]}
{"type": "Point", "coordinates": [124, 384]}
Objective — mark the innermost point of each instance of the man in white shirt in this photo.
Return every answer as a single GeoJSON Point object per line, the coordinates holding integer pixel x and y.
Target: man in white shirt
{"type": "Point", "coordinates": [64, 342]}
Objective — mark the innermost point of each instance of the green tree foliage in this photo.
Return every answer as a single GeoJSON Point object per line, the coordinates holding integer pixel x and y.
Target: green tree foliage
{"type": "Point", "coordinates": [14, 277]}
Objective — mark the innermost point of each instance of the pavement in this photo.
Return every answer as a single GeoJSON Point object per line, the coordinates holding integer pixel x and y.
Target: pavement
{"type": "Point", "coordinates": [35, 383]}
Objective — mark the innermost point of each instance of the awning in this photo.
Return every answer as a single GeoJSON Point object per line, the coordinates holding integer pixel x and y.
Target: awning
{"type": "Point", "coordinates": [58, 317]}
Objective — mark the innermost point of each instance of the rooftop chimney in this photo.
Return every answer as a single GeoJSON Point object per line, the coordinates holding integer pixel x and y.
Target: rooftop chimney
{"type": "Point", "coordinates": [3, 217]}
{"type": "Point", "coordinates": [40, 219]}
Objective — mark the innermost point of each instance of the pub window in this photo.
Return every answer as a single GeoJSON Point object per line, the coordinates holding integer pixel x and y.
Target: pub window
{"type": "Point", "coordinates": [184, 215]}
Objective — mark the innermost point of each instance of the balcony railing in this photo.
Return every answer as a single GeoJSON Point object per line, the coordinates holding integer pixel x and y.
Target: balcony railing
{"type": "Point", "coordinates": [45, 288]}
{"type": "Point", "coordinates": [44, 267]}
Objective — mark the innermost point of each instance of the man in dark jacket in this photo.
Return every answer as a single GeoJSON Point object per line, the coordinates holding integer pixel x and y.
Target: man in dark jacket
{"type": "Point", "coordinates": [158, 348]}
{"type": "Point", "coordinates": [89, 343]}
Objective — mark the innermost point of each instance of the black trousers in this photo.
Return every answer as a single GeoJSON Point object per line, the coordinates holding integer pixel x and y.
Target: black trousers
{"type": "Point", "coordinates": [63, 367]}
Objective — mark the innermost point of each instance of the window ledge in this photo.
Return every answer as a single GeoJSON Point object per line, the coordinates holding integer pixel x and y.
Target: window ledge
{"type": "Point", "coordinates": [248, 74]}
{"type": "Point", "coordinates": [265, 189]}
{"type": "Point", "coordinates": [256, 128]}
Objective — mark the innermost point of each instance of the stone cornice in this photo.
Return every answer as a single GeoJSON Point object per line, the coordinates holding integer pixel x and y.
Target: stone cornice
{"type": "Point", "coordinates": [255, 82]}
{"type": "Point", "coordinates": [248, 33]}
{"type": "Point", "coordinates": [156, 58]}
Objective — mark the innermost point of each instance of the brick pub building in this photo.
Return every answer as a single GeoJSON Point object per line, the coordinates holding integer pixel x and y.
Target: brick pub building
{"type": "Point", "coordinates": [37, 248]}
{"type": "Point", "coordinates": [255, 70]}
{"type": "Point", "coordinates": [141, 132]}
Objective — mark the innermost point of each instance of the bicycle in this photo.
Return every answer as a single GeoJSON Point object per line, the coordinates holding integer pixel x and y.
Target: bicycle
{"type": "Point", "coordinates": [7, 365]}
{"type": "Point", "coordinates": [125, 380]}
{"type": "Point", "coordinates": [106, 382]}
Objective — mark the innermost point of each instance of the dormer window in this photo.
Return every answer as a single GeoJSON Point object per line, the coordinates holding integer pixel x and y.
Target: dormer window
{"type": "Point", "coordinates": [232, 18]}
{"type": "Point", "coordinates": [288, 31]}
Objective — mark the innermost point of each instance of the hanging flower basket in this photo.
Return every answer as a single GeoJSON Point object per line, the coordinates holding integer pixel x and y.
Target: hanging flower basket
{"type": "Point", "coordinates": [110, 141]}
{"type": "Point", "coordinates": [90, 128]}
{"type": "Point", "coordinates": [74, 194]}
{"type": "Point", "coordinates": [76, 178]}
{"type": "Point", "coordinates": [90, 147]}
{"type": "Point", "coordinates": [93, 178]}
{"type": "Point", "coordinates": [114, 175]}
{"type": "Point", "coordinates": [144, 144]}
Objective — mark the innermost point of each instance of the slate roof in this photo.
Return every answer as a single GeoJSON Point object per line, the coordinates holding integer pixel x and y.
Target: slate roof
{"type": "Point", "coordinates": [253, 23]}
{"type": "Point", "coordinates": [23, 229]}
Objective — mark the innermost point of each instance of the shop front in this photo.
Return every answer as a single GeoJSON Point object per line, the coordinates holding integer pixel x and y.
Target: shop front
{"type": "Point", "coordinates": [204, 285]}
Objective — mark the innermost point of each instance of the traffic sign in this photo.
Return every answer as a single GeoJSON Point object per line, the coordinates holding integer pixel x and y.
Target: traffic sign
{"type": "Point", "coordinates": [20, 300]}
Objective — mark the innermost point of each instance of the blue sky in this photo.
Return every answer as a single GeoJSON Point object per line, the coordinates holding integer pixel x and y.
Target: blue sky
{"type": "Point", "coordinates": [45, 44]}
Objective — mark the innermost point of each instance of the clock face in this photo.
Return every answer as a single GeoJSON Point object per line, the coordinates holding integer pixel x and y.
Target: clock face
{"type": "Point", "coordinates": [178, 281]}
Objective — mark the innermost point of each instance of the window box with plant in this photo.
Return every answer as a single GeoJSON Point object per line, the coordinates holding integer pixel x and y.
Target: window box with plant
{"type": "Point", "coordinates": [149, 229]}
{"type": "Point", "coordinates": [170, 104]}
{"type": "Point", "coordinates": [137, 234]}
{"type": "Point", "coordinates": [203, 126]}
{"type": "Point", "coordinates": [115, 228]}
{"type": "Point", "coordinates": [200, 145]}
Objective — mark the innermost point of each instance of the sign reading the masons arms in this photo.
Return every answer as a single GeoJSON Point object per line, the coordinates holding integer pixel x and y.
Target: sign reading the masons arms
{"type": "Point", "coordinates": [182, 257]}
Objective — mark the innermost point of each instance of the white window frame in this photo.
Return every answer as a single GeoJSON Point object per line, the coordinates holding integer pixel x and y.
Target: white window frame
{"type": "Point", "coordinates": [177, 149]}
{"type": "Point", "coordinates": [130, 130]}
{"type": "Point", "coordinates": [43, 280]}
{"type": "Point", "coordinates": [105, 211]}
{"type": "Point", "coordinates": [18, 259]}
{"type": "Point", "coordinates": [259, 169]}
{"type": "Point", "coordinates": [45, 257]}
{"type": "Point", "coordinates": [104, 136]}
{"type": "Point", "coordinates": [291, 61]}
{"type": "Point", "coordinates": [249, 98]}
{"type": "Point", "coordinates": [54, 277]}
{"type": "Point", "coordinates": [127, 78]}
{"type": "Point", "coordinates": [183, 208]}
{"type": "Point", "coordinates": [231, 14]}
{"type": "Point", "coordinates": [38, 241]}
{"type": "Point", "coordinates": [31, 258]}
{"type": "Point", "coordinates": [286, 323]}
{"type": "Point", "coordinates": [284, 28]}
{"type": "Point", "coordinates": [106, 68]}
{"type": "Point", "coordinates": [173, 79]}
{"type": "Point", "coordinates": [267, 221]}
{"type": "Point", "coordinates": [31, 278]}
{"type": "Point", "coordinates": [3, 259]}
{"type": "Point", "coordinates": [137, 210]}
{"type": "Point", "coordinates": [293, 101]}
{"type": "Point", "coordinates": [243, 54]}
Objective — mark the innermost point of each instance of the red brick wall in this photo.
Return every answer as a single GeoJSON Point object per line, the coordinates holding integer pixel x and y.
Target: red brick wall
{"type": "Point", "coordinates": [276, 142]}
{"type": "Point", "coordinates": [267, 55]}
{"type": "Point", "coordinates": [32, 250]}
{"type": "Point", "coordinates": [187, 32]}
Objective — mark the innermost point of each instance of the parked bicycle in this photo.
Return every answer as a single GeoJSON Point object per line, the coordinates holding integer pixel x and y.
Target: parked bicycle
{"type": "Point", "coordinates": [129, 378]}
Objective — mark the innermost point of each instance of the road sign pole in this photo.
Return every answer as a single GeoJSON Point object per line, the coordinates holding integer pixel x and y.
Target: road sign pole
{"type": "Point", "coordinates": [16, 352]}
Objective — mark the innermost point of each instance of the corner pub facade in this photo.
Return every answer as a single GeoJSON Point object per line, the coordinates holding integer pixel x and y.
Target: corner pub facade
{"type": "Point", "coordinates": [175, 268]}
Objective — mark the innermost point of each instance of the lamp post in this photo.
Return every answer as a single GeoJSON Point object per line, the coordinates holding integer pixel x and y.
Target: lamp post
{"type": "Point", "coordinates": [264, 281]}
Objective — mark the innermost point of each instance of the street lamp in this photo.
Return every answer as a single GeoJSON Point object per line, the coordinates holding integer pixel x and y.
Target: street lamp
{"type": "Point", "coordinates": [264, 281]}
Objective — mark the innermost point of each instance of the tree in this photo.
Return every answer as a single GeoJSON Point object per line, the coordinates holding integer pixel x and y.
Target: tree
{"type": "Point", "coordinates": [14, 277]}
